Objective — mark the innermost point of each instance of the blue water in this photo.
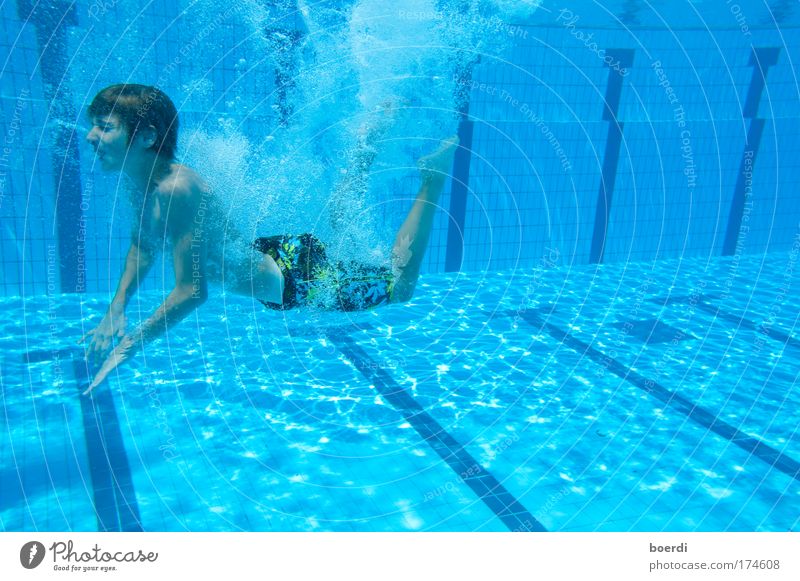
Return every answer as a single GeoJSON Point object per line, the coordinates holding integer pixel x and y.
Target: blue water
{"type": "Point", "coordinates": [559, 368]}
{"type": "Point", "coordinates": [248, 420]}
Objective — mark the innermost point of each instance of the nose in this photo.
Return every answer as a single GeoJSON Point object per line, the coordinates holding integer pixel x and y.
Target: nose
{"type": "Point", "coordinates": [91, 137]}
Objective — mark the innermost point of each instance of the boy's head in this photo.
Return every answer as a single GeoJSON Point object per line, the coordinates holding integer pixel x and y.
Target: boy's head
{"type": "Point", "coordinates": [140, 108]}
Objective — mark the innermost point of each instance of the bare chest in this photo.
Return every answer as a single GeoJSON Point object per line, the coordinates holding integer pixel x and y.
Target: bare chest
{"type": "Point", "coordinates": [151, 220]}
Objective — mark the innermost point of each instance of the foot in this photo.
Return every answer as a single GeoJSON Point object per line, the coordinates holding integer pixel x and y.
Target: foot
{"type": "Point", "coordinates": [379, 120]}
{"type": "Point", "coordinates": [438, 164]}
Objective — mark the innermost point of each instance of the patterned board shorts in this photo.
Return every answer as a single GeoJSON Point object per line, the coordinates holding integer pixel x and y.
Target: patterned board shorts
{"type": "Point", "coordinates": [311, 279]}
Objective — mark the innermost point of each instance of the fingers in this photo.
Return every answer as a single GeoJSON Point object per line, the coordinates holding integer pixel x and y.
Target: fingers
{"type": "Point", "coordinates": [91, 348]}
{"type": "Point", "coordinates": [117, 357]}
{"type": "Point", "coordinates": [100, 345]}
{"type": "Point", "coordinates": [95, 382]}
{"type": "Point", "coordinates": [98, 379]}
{"type": "Point", "coordinates": [114, 360]}
{"type": "Point", "coordinates": [100, 376]}
{"type": "Point", "coordinates": [82, 339]}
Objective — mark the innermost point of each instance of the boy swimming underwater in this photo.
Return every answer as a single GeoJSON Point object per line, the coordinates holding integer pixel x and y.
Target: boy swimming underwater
{"type": "Point", "coordinates": [134, 130]}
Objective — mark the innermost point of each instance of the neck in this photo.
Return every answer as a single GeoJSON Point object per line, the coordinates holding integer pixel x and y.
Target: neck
{"type": "Point", "coordinates": [147, 170]}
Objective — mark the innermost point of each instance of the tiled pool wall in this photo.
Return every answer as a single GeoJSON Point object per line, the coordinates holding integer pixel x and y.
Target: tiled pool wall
{"type": "Point", "coordinates": [583, 145]}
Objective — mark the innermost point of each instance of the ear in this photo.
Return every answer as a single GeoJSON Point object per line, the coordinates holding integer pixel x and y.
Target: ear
{"type": "Point", "coordinates": [147, 136]}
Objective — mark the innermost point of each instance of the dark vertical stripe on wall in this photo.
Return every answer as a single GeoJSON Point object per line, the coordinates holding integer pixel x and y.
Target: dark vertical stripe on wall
{"type": "Point", "coordinates": [458, 195]}
{"type": "Point", "coordinates": [623, 56]}
{"type": "Point", "coordinates": [51, 20]}
{"type": "Point", "coordinates": [761, 60]}
{"type": "Point", "coordinates": [744, 187]}
{"type": "Point", "coordinates": [459, 184]}
{"type": "Point", "coordinates": [607, 181]}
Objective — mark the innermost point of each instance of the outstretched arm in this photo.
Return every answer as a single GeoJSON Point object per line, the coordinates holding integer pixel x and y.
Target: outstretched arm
{"type": "Point", "coordinates": [190, 290]}
{"type": "Point", "coordinates": [137, 265]}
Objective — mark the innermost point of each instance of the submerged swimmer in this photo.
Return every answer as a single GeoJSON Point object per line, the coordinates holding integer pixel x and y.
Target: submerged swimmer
{"type": "Point", "coordinates": [134, 130]}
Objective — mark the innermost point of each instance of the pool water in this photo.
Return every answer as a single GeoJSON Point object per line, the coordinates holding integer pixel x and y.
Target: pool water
{"type": "Point", "coordinates": [658, 396]}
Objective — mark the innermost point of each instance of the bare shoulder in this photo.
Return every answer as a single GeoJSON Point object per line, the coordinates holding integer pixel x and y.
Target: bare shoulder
{"type": "Point", "coordinates": [182, 193]}
{"type": "Point", "coordinates": [182, 184]}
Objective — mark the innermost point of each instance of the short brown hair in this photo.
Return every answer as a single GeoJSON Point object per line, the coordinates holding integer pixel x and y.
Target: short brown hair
{"type": "Point", "coordinates": [141, 105]}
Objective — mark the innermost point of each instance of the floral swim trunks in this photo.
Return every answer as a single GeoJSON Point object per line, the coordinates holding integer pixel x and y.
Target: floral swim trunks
{"type": "Point", "coordinates": [311, 279]}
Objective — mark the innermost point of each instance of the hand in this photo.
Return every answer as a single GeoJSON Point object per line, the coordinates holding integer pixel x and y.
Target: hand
{"type": "Point", "coordinates": [112, 325]}
{"type": "Point", "coordinates": [121, 353]}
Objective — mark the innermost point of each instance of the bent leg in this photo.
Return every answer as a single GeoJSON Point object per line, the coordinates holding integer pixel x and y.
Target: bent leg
{"type": "Point", "coordinates": [412, 238]}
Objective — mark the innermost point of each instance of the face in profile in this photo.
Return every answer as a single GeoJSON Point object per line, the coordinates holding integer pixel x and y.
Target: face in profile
{"type": "Point", "coordinates": [109, 138]}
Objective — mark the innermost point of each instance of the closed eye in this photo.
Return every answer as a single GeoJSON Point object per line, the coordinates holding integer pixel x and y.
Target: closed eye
{"type": "Point", "coordinates": [103, 125]}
